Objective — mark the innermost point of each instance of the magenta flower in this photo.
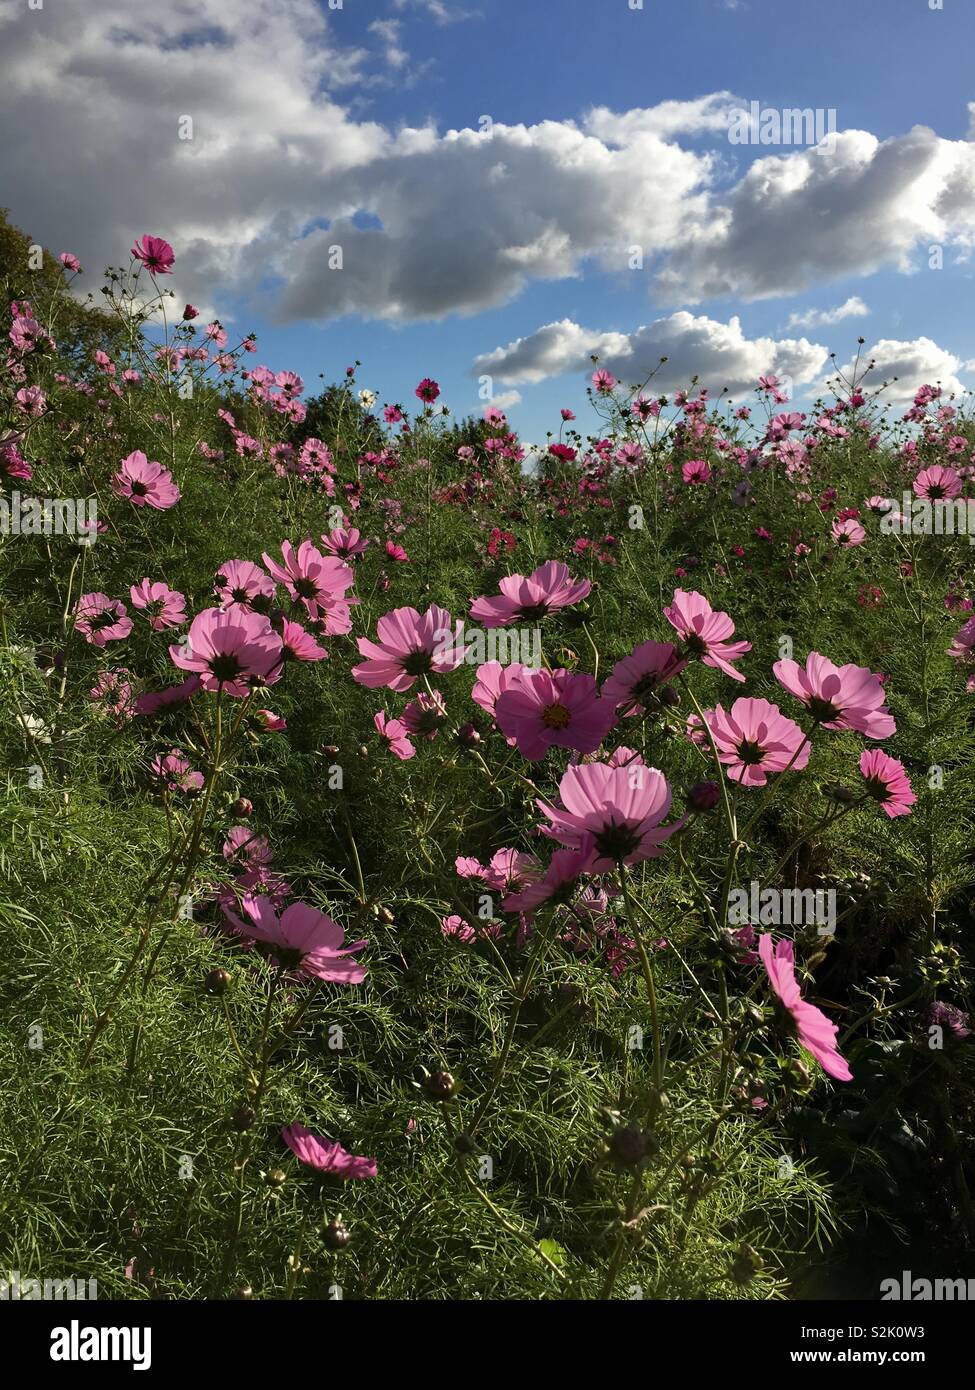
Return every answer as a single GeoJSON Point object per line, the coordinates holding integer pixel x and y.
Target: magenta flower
{"type": "Point", "coordinates": [887, 782]}
{"type": "Point", "coordinates": [619, 808]}
{"type": "Point", "coordinates": [546, 709]}
{"type": "Point", "coordinates": [325, 1155]}
{"type": "Point", "coordinates": [299, 645]}
{"type": "Point", "coordinates": [546, 589]}
{"type": "Point", "coordinates": [154, 700]}
{"type": "Point", "coordinates": [396, 735]}
{"type": "Point", "coordinates": [302, 939]}
{"type": "Point", "coordinates": [638, 677]}
{"type": "Point", "coordinates": [155, 254]}
{"type": "Point", "coordinates": [426, 715]}
{"type": "Point", "coordinates": [491, 679]}
{"type": "Point", "coordinates": [163, 606]}
{"type": "Point", "coordinates": [70, 261]}
{"type": "Point", "coordinates": [246, 846]}
{"type": "Point", "coordinates": [557, 884]}
{"type": "Point", "coordinates": [816, 1033]}
{"type": "Point", "coordinates": [101, 619]}
{"type": "Point", "coordinates": [754, 739]}
{"type": "Point", "coordinates": [410, 645]}
{"type": "Point", "coordinates": [428, 390]}
{"type": "Point", "coordinates": [847, 531]}
{"type": "Point", "coordinates": [344, 542]}
{"type": "Point", "coordinates": [145, 483]}
{"type": "Point", "coordinates": [113, 691]}
{"type": "Point", "coordinates": [310, 577]}
{"type": "Point", "coordinates": [230, 651]}
{"type": "Point", "coordinates": [705, 632]}
{"type": "Point", "coordinates": [838, 697]}
{"type": "Point", "coordinates": [937, 484]}
{"type": "Point", "coordinates": [175, 773]}
{"type": "Point", "coordinates": [240, 584]}
{"type": "Point", "coordinates": [696, 472]}
{"type": "Point", "coordinates": [508, 872]}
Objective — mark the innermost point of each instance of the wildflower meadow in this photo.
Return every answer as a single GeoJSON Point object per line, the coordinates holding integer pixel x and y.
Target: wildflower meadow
{"type": "Point", "coordinates": [438, 868]}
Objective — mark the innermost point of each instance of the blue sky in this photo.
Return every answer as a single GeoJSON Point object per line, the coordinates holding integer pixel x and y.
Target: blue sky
{"type": "Point", "coordinates": [301, 113]}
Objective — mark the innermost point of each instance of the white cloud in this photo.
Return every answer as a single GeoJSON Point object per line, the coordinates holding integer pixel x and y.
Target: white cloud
{"type": "Point", "coordinates": [718, 353]}
{"type": "Point", "coordinates": [905, 366]}
{"type": "Point", "coordinates": [505, 400]}
{"type": "Point", "coordinates": [810, 216]}
{"type": "Point", "coordinates": [283, 165]}
{"type": "Point", "coordinates": [853, 307]}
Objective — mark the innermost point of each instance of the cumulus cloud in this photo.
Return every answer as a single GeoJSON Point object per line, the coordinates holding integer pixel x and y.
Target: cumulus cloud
{"type": "Point", "coordinates": [849, 206]}
{"type": "Point", "coordinates": [283, 166]}
{"type": "Point", "coordinates": [718, 353]}
{"type": "Point", "coordinates": [912, 363]}
{"type": "Point", "coordinates": [851, 308]}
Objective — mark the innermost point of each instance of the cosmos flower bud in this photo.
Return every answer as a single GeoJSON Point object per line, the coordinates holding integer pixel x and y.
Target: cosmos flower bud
{"type": "Point", "coordinates": [440, 1085]}
{"type": "Point", "coordinates": [243, 1118]}
{"type": "Point", "coordinates": [746, 1264]}
{"type": "Point", "coordinates": [336, 1234]}
{"type": "Point", "coordinates": [630, 1146]}
{"type": "Point", "coordinates": [468, 736]}
{"type": "Point", "coordinates": [703, 796]}
{"type": "Point", "coordinates": [242, 809]}
{"type": "Point", "coordinates": [216, 981]}
{"type": "Point", "coordinates": [276, 1177]}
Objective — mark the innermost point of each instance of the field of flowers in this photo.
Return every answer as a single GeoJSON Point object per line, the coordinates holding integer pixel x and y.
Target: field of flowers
{"type": "Point", "coordinates": [439, 869]}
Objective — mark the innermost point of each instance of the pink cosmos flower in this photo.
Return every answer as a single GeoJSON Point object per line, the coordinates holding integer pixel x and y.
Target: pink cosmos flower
{"type": "Point", "coordinates": [492, 678]}
{"type": "Point", "coordinates": [152, 701]}
{"type": "Point", "coordinates": [603, 381]}
{"type": "Point", "coordinates": [848, 531]}
{"type": "Point", "coordinates": [145, 483]}
{"type": "Point", "coordinates": [696, 472]}
{"type": "Point", "coordinates": [325, 1155]}
{"type": "Point", "coordinates": [230, 651]}
{"type": "Point", "coordinates": [620, 808]}
{"type": "Point", "coordinates": [816, 1033]}
{"type": "Point", "coordinates": [246, 846]}
{"type": "Point", "coordinates": [638, 677]}
{"type": "Point", "coordinates": [546, 589]}
{"type": "Point", "coordinates": [155, 254]}
{"type": "Point", "coordinates": [937, 484]}
{"type": "Point", "coordinates": [163, 606]}
{"type": "Point", "coordinates": [274, 723]}
{"type": "Point", "coordinates": [397, 553]}
{"type": "Point", "coordinates": [887, 782]}
{"type": "Point", "coordinates": [963, 643]}
{"type": "Point", "coordinates": [299, 645]}
{"type": "Point", "coordinates": [101, 619]}
{"type": "Point", "coordinates": [113, 691]}
{"type": "Point", "coordinates": [242, 585]}
{"type": "Point", "coordinates": [705, 632]}
{"type": "Point", "coordinates": [455, 926]}
{"type": "Point", "coordinates": [426, 715]}
{"type": "Point", "coordinates": [396, 735]}
{"type": "Point", "coordinates": [508, 871]}
{"type": "Point", "coordinates": [69, 261]}
{"type": "Point", "coordinates": [838, 697]}
{"type": "Point", "coordinates": [754, 739]}
{"type": "Point", "coordinates": [175, 773]}
{"type": "Point", "coordinates": [32, 401]}
{"type": "Point", "coordinates": [428, 390]}
{"type": "Point", "coordinates": [310, 577]}
{"type": "Point", "coordinates": [545, 709]}
{"type": "Point", "coordinates": [302, 939]}
{"type": "Point", "coordinates": [557, 884]}
{"type": "Point", "coordinates": [410, 645]}
{"type": "Point", "coordinates": [344, 543]}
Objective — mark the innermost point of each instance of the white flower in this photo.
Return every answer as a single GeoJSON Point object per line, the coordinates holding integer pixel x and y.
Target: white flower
{"type": "Point", "coordinates": [368, 398]}
{"type": "Point", "coordinates": [33, 728]}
